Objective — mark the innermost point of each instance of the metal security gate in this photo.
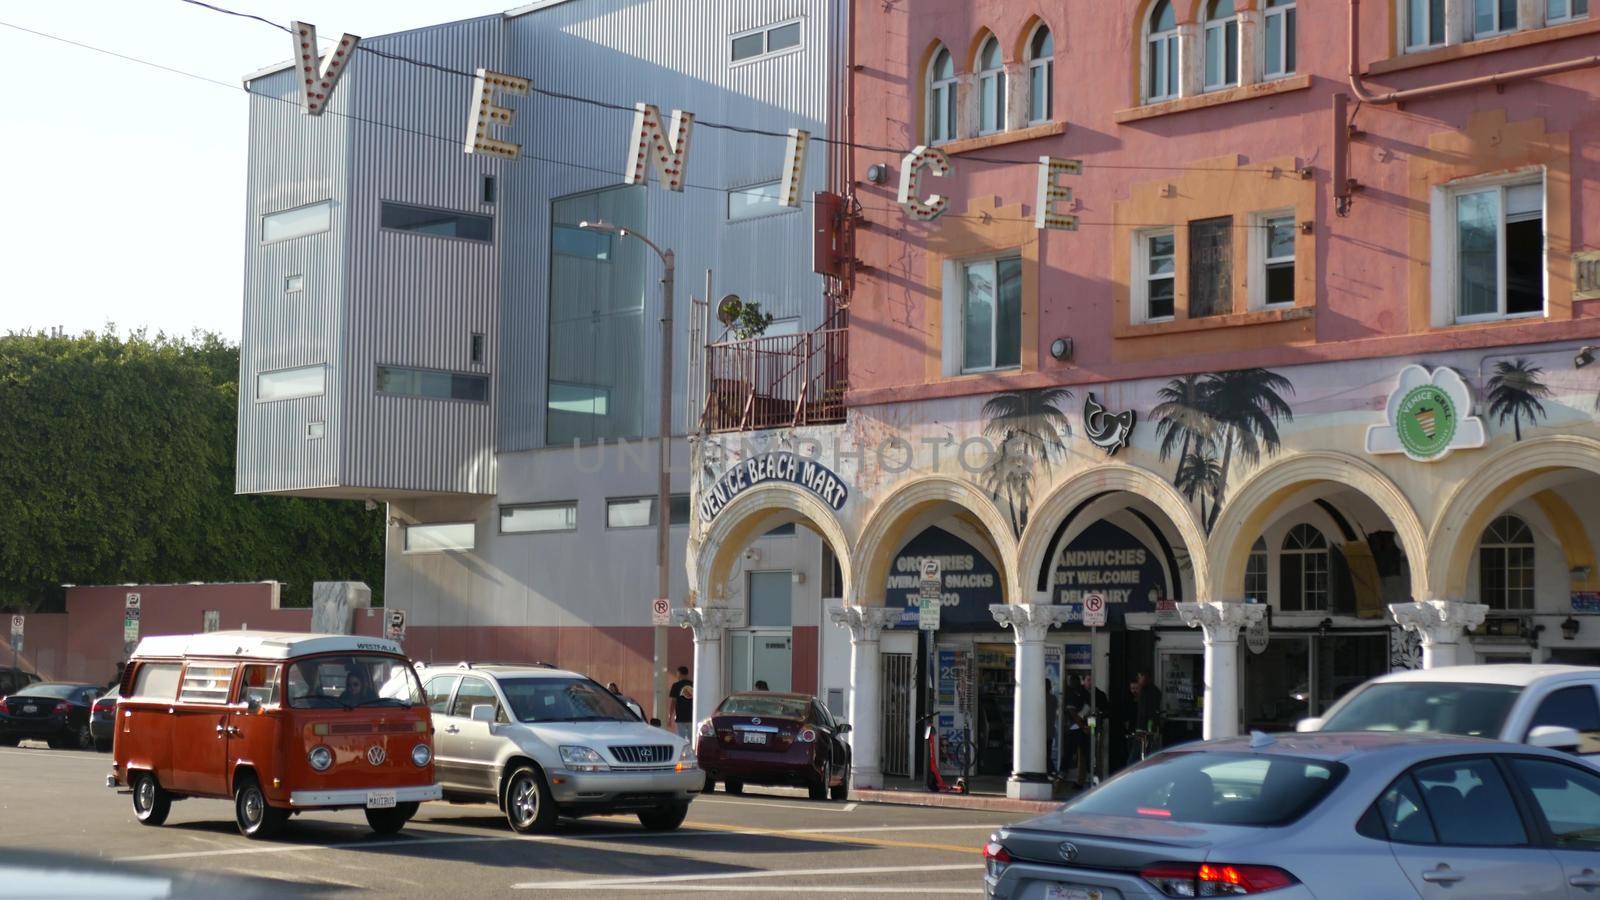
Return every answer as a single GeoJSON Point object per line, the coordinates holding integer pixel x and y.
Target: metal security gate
{"type": "Point", "coordinates": [899, 705]}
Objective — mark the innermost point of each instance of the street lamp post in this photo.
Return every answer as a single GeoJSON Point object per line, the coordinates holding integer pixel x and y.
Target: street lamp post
{"type": "Point", "coordinates": [664, 475]}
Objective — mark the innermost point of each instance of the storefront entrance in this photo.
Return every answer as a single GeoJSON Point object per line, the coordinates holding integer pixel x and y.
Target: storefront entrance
{"type": "Point", "coordinates": [765, 651]}
{"type": "Point", "coordinates": [1297, 676]}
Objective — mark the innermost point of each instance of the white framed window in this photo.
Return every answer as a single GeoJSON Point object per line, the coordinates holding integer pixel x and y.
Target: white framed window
{"type": "Point", "coordinates": [1255, 573]}
{"type": "Point", "coordinates": [1493, 238]}
{"type": "Point", "coordinates": [1423, 22]}
{"type": "Point", "coordinates": [1556, 11]}
{"type": "Point", "coordinates": [1041, 75]}
{"type": "Point", "coordinates": [431, 384]}
{"type": "Point", "coordinates": [991, 87]}
{"type": "Point", "coordinates": [294, 284]}
{"type": "Point", "coordinates": [290, 384]}
{"type": "Point", "coordinates": [766, 41]}
{"type": "Point", "coordinates": [1278, 27]}
{"type": "Point", "coordinates": [1491, 17]}
{"type": "Point", "coordinates": [1303, 567]}
{"type": "Point", "coordinates": [1155, 274]}
{"type": "Point", "coordinates": [440, 536]}
{"type": "Point", "coordinates": [1272, 259]}
{"type": "Point", "coordinates": [941, 111]}
{"type": "Point", "coordinates": [532, 518]}
{"type": "Point", "coordinates": [206, 684]}
{"type": "Point", "coordinates": [312, 218]}
{"type": "Point", "coordinates": [991, 314]}
{"type": "Point", "coordinates": [640, 512]}
{"type": "Point", "coordinates": [1163, 56]}
{"type": "Point", "coordinates": [756, 201]}
{"type": "Point", "coordinates": [1222, 45]}
{"type": "Point", "coordinates": [1505, 564]}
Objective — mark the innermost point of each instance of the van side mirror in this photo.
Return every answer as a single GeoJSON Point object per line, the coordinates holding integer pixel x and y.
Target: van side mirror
{"type": "Point", "coordinates": [252, 705]}
{"type": "Point", "coordinates": [1555, 737]}
{"type": "Point", "coordinates": [1312, 724]}
{"type": "Point", "coordinates": [483, 712]}
{"type": "Point", "coordinates": [843, 728]}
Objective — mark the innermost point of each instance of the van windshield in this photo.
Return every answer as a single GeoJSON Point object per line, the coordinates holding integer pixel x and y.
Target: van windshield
{"type": "Point", "coordinates": [348, 681]}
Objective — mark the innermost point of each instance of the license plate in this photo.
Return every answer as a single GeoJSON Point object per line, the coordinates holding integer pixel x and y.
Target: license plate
{"type": "Point", "coordinates": [754, 737]}
{"type": "Point", "coordinates": [30, 709]}
{"type": "Point", "coordinates": [380, 799]}
{"type": "Point", "coordinates": [1069, 892]}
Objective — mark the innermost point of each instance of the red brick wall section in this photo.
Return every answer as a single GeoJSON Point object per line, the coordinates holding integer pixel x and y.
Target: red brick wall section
{"type": "Point", "coordinates": [803, 672]}
{"type": "Point", "coordinates": [44, 645]}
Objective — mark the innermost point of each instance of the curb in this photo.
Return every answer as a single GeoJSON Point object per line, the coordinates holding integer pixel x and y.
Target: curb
{"type": "Point", "coordinates": [955, 801]}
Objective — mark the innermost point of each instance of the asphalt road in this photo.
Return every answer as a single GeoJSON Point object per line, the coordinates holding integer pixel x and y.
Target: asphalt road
{"type": "Point", "coordinates": [59, 823]}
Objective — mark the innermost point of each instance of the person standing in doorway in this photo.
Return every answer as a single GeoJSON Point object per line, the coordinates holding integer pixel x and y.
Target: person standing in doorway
{"type": "Point", "coordinates": [1144, 707]}
{"type": "Point", "coordinates": [1075, 729]}
{"type": "Point", "coordinates": [682, 697]}
{"type": "Point", "coordinates": [762, 686]}
{"type": "Point", "coordinates": [1050, 728]}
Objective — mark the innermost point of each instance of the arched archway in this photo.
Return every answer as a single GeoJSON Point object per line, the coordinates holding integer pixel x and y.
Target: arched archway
{"type": "Point", "coordinates": [750, 515]}
{"type": "Point", "coordinates": [890, 526]}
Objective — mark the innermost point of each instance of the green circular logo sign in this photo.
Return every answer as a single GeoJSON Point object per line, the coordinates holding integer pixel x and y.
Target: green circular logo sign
{"type": "Point", "coordinates": [1426, 421]}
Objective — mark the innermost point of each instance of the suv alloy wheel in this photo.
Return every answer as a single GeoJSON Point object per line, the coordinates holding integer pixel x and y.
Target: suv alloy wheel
{"type": "Point", "coordinates": [529, 807]}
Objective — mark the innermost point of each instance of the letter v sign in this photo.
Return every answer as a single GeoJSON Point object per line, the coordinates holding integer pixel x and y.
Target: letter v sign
{"type": "Point", "coordinates": [317, 79]}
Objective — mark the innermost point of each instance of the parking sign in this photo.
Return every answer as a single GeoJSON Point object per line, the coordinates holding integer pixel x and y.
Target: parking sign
{"type": "Point", "coordinates": [394, 624]}
{"type": "Point", "coordinates": [1094, 610]}
{"type": "Point", "coordinates": [661, 611]}
{"type": "Point", "coordinates": [16, 626]}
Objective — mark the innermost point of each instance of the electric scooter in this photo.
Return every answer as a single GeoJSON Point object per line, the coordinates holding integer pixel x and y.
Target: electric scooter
{"type": "Point", "coordinates": [935, 780]}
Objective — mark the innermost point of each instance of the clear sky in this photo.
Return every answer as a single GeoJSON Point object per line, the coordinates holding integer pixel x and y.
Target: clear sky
{"type": "Point", "coordinates": [122, 185]}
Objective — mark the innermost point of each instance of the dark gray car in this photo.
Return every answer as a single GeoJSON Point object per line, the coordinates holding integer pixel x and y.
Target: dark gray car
{"type": "Point", "coordinates": [1326, 815]}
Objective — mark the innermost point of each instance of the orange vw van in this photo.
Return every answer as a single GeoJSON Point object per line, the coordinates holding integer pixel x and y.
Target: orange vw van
{"type": "Point", "coordinates": [279, 723]}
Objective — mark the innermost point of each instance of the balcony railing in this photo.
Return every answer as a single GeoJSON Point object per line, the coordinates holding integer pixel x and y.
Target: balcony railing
{"type": "Point", "coordinates": [777, 382]}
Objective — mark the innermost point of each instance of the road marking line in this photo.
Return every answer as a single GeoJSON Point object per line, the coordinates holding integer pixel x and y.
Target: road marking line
{"type": "Point", "coordinates": [843, 836]}
{"type": "Point", "coordinates": [652, 880]}
{"type": "Point", "coordinates": [793, 805]}
{"type": "Point", "coordinates": [863, 889]}
{"type": "Point", "coordinates": [41, 753]}
{"type": "Point", "coordinates": [848, 807]}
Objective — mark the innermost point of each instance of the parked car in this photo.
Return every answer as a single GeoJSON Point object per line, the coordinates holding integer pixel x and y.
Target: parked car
{"type": "Point", "coordinates": [1552, 706]}
{"type": "Point", "coordinates": [103, 719]}
{"type": "Point", "coordinates": [53, 711]}
{"type": "Point", "coordinates": [280, 723]}
{"type": "Point", "coordinates": [1325, 815]}
{"type": "Point", "coordinates": [13, 680]}
{"type": "Point", "coordinates": [760, 737]}
{"type": "Point", "coordinates": [543, 743]}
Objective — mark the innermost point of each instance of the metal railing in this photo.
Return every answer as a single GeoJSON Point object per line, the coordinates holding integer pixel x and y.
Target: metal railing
{"type": "Point", "coordinates": [777, 382]}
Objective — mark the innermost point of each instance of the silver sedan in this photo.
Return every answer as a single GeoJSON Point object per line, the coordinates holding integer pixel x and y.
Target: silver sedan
{"type": "Point", "coordinates": [1376, 816]}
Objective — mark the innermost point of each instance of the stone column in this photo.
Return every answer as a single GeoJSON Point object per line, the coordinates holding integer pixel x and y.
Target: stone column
{"type": "Point", "coordinates": [1440, 624]}
{"type": "Point", "coordinates": [1252, 47]}
{"type": "Point", "coordinates": [866, 624]}
{"type": "Point", "coordinates": [966, 106]}
{"type": "Point", "coordinates": [1191, 59]}
{"type": "Point", "coordinates": [1029, 623]}
{"type": "Point", "coordinates": [1221, 623]}
{"type": "Point", "coordinates": [1018, 95]}
{"type": "Point", "coordinates": [708, 622]}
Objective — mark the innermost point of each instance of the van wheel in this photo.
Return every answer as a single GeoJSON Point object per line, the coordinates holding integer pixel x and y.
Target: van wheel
{"type": "Point", "coordinates": [151, 803]}
{"type": "Point", "coordinates": [256, 819]}
{"type": "Point", "coordinates": [664, 818]}
{"type": "Point", "coordinates": [389, 821]}
{"type": "Point", "coordinates": [529, 807]}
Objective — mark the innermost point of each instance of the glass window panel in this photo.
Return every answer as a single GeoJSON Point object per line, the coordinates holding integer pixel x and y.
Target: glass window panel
{"type": "Point", "coordinates": [1289, 40]}
{"type": "Point", "coordinates": [1525, 200]}
{"type": "Point", "coordinates": [1469, 804]}
{"type": "Point", "coordinates": [979, 316]}
{"type": "Point", "coordinates": [1008, 325]}
{"type": "Point", "coordinates": [1483, 16]}
{"type": "Point", "coordinates": [1580, 7]}
{"type": "Point", "coordinates": [1556, 9]}
{"type": "Point", "coordinates": [297, 222]}
{"type": "Point", "coordinates": [287, 384]}
{"type": "Point", "coordinates": [404, 382]}
{"type": "Point", "coordinates": [1039, 93]}
{"type": "Point", "coordinates": [1435, 21]}
{"type": "Point", "coordinates": [1275, 62]}
{"type": "Point", "coordinates": [539, 517]}
{"type": "Point", "coordinates": [1404, 819]}
{"type": "Point", "coordinates": [1043, 45]}
{"type": "Point", "coordinates": [783, 37]}
{"type": "Point", "coordinates": [1172, 66]}
{"type": "Point", "coordinates": [770, 605]}
{"type": "Point", "coordinates": [473, 692]}
{"type": "Point", "coordinates": [438, 693]}
{"type": "Point", "coordinates": [1567, 797]}
{"type": "Point", "coordinates": [443, 536]}
{"type": "Point", "coordinates": [943, 66]}
{"type": "Point", "coordinates": [1162, 18]}
{"type": "Point", "coordinates": [294, 284]}
{"type": "Point", "coordinates": [1280, 238]}
{"type": "Point", "coordinates": [1477, 224]}
{"type": "Point", "coordinates": [756, 200]}
{"type": "Point", "coordinates": [157, 681]}
{"type": "Point", "coordinates": [436, 222]}
{"type": "Point", "coordinates": [630, 512]}
{"type": "Point", "coordinates": [1213, 56]}
{"type": "Point", "coordinates": [748, 45]}
{"type": "Point", "coordinates": [582, 243]}
{"type": "Point", "coordinates": [1508, 15]}
{"type": "Point", "coordinates": [578, 398]}
{"type": "Point", "coordinates": [1162, 298]}
{"type": "Point", "coordinates": [1525, 266]}
{"type": "Point", "coordinates": [206, 684]}
{"type": "Point", "coordinates": [680, 509]}
{"type": "Point", "coordinates": [1231, 48]}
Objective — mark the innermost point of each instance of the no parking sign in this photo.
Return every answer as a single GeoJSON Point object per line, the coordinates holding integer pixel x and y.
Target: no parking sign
{"type": "Point", "coordinates": [1094, 610]}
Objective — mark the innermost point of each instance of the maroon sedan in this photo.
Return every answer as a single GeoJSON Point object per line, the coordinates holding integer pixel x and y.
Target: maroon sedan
{"type": "Point", "coordinates": [758, 737]}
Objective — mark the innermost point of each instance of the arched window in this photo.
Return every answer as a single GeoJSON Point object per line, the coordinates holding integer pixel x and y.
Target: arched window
{"type": "Point", "coordinates": [1222, 45]}
{"type": "Point", "coordinates": [1041, 75]}
{"type": "Point", "coordinates": [1505, 564]}
{"type": "Point", "coordinates": [1303, 571]}
{"type": "Point", "coordinates": [1280, 29]}
{"type": "Point", "coordinates": [941, 98]}
{"type": "Point", "coordinates": [991, 88]}
{"type": "Point", "coordinates": [1161, 53]}
{"type": "Point", "coordinates": [1255, 573]}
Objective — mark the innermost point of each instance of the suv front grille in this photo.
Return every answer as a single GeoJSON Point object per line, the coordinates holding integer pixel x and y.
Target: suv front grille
{"type": "Point", "coordinates": [642, 754]}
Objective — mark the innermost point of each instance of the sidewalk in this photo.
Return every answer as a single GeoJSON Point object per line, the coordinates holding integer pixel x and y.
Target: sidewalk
{"type": "Point", "coordinates": [988, 793]}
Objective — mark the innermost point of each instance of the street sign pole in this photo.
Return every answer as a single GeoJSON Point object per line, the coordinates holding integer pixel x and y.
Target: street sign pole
{"type": "Point", "coordinates": [1094, 615]}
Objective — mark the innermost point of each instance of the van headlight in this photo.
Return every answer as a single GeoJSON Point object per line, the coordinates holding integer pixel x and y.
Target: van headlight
{"type": "Point", "coordinates": [583, 759]}
{"type": "Point", "coordinates": [421, 755]}
{"type": "Point", "coordinates": [321, 758]}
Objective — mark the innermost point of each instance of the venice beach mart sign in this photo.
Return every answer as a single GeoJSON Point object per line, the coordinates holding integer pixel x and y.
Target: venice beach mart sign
{"type": "Point", "coordinates": [664, 148]}
{"type": "Point", "coordinates": [779, 466]}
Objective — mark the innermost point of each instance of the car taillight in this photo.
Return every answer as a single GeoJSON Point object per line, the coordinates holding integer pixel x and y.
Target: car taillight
{"type": "Point", "coordinates": [995, 857]}
{"type": "Point", "coordinates": [62, 708]}
{"type": "Point", "coordinates": [101, 706]}
{"type": "Point", "coordinates": [1215, 879]}
{"type": "Point", "coordinates": [707, 729]}
{"type": "Point", "coordinates": [4, 709]}
{"type": "Point", "coordinates": [807, 736]}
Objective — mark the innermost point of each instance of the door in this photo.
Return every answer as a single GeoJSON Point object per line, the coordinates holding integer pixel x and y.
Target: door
{"type": "Point", "coordinates": [200, 723]}
{"type": "Point", "coordinates": [771, 621]}
{"type": "Point", "coordinates": [449, 747]}
{"type": "Point", "coordinates": [252, 726]}
{"type": "Point", "coordinates": [1474, 843]}
{"type": "Point", "coordinates": [1567, 800]}
{"type": "Point", "coordinates": [476, 760]}
{"type": "Point", "coordinates": [771, 660]}
{"type": "Point", "coordinates": [899, 703]}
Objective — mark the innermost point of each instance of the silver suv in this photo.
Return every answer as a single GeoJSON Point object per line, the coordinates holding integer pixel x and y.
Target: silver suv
{"type": "Point", "coordinates": [544, 743]}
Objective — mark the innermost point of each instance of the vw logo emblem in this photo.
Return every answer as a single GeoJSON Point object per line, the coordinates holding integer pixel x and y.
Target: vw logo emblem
{"type": "Point", "coordinates": [755, 720]}
{"type": "Point", "coordinates": [375, 755]}
{"type": "Point", "coordinates": [1068, 851]}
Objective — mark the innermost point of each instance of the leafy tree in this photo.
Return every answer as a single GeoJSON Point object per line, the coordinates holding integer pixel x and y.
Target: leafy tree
{"type": "Point", "coordinates": [118, 466]}
{"type": "Point", "coordinates": [1515, 391]}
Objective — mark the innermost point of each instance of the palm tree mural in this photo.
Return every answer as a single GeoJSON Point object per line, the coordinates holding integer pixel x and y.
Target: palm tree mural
{"type": "Point", "coordinates": [1027, 427]}
{"type": "Point", "coordinates": [1236, 412]}
{"type": "Point", "coordinates": [1515, 391]}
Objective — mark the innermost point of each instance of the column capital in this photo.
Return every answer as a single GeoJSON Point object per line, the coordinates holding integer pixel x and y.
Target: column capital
{"type": "Point", "coordinates": [707, 621]}
{"type": "Point", "coordinates": [866, 623]}
{"type": "Point", "coordinates": [1439, 621]}
{"type": "Point", "coordinates": [1221, 620]}
{"type": "Point", "coordinates": [1030, 621]}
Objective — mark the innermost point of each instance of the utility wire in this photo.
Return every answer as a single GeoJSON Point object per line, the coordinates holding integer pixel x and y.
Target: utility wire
{"type": "Point", "coordinates": [982, 218]}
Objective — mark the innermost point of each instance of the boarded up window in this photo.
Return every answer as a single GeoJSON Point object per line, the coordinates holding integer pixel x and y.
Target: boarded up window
{"type": "Point", "coordinates": [1210, 267]}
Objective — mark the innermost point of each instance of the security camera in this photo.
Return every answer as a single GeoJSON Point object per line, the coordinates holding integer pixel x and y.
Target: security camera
{"type": "Point", "coordinates": [752, 555]}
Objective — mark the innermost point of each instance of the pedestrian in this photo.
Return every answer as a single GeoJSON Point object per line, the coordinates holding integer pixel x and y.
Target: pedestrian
{"type": "Point", "coordinates": [1051, 743]}
{"type": "Point", "coordinates": [612, 687]}
{"type": "Point", "coordinates": [682, 703]}
{"type": "Point", "coordinates": [1143, 711]}
{"type": "Point", "coordinates": [762, 686]}
{"type": "Point", "coordinates": [114, 682]}
{"type": "Point", "coordinates": [1075, 728]}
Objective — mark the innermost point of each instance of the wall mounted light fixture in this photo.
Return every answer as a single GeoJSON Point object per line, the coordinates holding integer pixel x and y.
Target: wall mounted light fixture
{"type": "Point", "coordinates": [1569, 628]}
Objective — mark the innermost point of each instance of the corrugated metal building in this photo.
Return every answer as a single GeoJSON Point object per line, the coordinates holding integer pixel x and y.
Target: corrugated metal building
{"type": "Point", "coordinates": [427, 328]}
